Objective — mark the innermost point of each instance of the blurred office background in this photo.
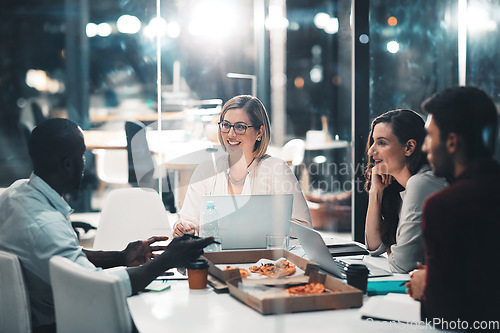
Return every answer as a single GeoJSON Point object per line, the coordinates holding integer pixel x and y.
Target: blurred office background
{"type": "Point", "coordinates": [323, 68]}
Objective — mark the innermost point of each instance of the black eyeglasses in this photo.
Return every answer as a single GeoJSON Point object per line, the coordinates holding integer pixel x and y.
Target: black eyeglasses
{"type": "Point", "coordinates": [239, 128]}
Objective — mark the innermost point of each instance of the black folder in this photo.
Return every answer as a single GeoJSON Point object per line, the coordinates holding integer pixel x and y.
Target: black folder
{"type": "Point", "coordinates": [351, 249]}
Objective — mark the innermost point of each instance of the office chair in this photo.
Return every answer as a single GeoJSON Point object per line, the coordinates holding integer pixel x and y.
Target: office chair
{"type": "Point", "coordinates": [25, 130]}
{"type": "Point", "coordinates": [111, 167]}
{"type": "Point", "coordinates": [130, 214]}
{"type": "Point", "coordinates": [37, 112]}
{"type": "Point", "coordinates": [15, 313]}
{"type": "Point", "coordinates": [141, 165]}
{"type": "Point", "coordinates": [86, 300]}
{"type": "Point", "coordinates": [293, 151]}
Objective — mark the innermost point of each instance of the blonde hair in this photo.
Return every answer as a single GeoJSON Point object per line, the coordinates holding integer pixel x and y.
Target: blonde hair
{"type": "Point", "coordinates": [258, 116]}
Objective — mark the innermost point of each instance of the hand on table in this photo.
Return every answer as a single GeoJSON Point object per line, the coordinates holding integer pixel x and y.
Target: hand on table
{"type": "Point", "coordinates": [139, 252]}
{"type": "Point", "coordinates": [185, 227]}
{"type": "Point", "coordinates": [416, 285]}
{"type": "Point", "coordinates": [185, 248]}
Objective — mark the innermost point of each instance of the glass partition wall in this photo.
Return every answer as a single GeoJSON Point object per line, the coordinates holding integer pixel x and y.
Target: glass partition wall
{"type": "Point", "coordinates": [324, 69]}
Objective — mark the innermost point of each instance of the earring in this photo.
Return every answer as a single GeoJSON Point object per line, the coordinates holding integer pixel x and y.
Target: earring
{"type": "Point", "coordinates": [259, 138]}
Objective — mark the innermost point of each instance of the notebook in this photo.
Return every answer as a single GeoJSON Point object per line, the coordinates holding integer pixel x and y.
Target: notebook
{"type": "Point", "coordinates": [244, 220]}
{"type": "Point", "coordinates": [392, 307]}
{"type": "Point", "coordinates": [316, 250]}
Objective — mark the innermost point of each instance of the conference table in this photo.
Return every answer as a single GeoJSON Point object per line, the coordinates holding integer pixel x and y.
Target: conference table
{"type": "Point", "coordinates": [180, 309]}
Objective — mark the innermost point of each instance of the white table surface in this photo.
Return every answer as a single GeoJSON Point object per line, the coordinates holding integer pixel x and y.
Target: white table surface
{"type": "Point", "coordinates": [180, 309]}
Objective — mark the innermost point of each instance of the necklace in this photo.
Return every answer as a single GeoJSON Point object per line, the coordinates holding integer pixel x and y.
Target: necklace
{"type": "Point", "coordinates": [239, 182]}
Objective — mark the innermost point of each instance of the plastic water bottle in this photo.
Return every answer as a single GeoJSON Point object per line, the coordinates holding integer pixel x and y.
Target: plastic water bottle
{"type": "Point", "coordinates": [210, 226]}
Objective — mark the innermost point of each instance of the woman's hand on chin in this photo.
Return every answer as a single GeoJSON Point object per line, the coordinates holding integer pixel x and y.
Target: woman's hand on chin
{"type": "Point", "coordinates": [380, 182]}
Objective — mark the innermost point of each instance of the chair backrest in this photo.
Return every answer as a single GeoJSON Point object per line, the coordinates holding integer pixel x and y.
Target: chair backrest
{"type": "Point", "coordinates": [293, 151]}
{"type": "Point", "coordinates": [38, 115]}
{"type": "Point", "coordinates": [130, 214]}
{"type": "Point", "coordinates": [112, 166]}
{"type": "Point", "coordinates": [25, 130]}
{"type": "Point", "coordinates": [140, 161]}
{"type": "Point", "coordinates": [86, 300]}
{"type": "Point", "coordinates": [15, 313]}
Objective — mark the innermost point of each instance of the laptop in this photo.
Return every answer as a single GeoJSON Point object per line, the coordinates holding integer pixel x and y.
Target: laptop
{"type": "Point", "coordinates": [244, 220]}
{"type": "Point", "coordinates": [316, 250]}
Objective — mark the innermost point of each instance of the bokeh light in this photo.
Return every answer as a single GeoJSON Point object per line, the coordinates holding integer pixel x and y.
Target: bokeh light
{"type": "Point", "coordinates": [299, 82]}
{"type": "Point", "coordinates": [364, 39]}
{"type": "Point", "coordinates": [393, 47]}
{"type": "Point", "coordinates": [128, 24]}
{"type": "Point", "coordinates": [214, 20]}
{"type": "Point", "coordinates": [156, 27]}
{"type": "Point", "coordinates": [321, 20]}
{"type": "Point", "coordinates": [316, 74]}
{"type": "Point", "coordinates": [91, 29]}
{"type": "Point", "coordinates": [392, 21]}
{"type": "Point", "coordinates": [332, 26]}
{"type": "Point", "coordinates": [104, 29]}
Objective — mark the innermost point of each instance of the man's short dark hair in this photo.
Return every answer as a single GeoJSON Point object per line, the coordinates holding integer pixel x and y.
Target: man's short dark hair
{"type": "Point", "coordinates": [53, 140]}
{"type": "Point", "coordinates": [469, 113]}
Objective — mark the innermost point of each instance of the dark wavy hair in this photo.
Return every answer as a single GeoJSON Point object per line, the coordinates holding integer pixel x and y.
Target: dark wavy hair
{"type": "Point", "coordinates": [406, 125]}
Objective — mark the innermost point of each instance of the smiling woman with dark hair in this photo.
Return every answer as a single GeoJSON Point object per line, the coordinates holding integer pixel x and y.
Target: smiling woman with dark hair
{"type": "Point", "coordinates": [399, 180]}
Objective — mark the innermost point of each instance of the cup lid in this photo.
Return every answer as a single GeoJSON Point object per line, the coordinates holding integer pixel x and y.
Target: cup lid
{"type": "Point", "coordinates": [356, 269]}
{"type": "Point", "coordinates": [200, 263]}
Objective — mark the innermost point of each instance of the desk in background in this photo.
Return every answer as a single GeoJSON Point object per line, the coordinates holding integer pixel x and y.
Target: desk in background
{"type": "Point", "coordinates": [97, 139]}
{"type": "Point", "coordinates": [105, 139]}
{"type": "Point", "coordinates": [171, 148]}
{"type": "Point", "coordinates": [102, 116]}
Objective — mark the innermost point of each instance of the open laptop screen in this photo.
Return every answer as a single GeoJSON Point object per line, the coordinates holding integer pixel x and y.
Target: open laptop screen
{"type": "Point", "coordinates": [244, 220]}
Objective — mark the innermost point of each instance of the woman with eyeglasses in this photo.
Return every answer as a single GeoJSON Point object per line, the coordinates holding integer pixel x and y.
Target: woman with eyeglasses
{"type": "Point", "coordinates": [244, 132]}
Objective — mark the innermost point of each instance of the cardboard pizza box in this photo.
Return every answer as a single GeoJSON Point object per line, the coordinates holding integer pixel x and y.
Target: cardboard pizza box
{"type": "Point", "coordinates": [234, 258]}
{"type": "Point", "coordinates": [337, 295]}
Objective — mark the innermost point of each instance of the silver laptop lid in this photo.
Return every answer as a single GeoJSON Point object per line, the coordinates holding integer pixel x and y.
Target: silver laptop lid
{"type": "Point", "coordinates": [316, 250]}
{"type": "Point", "coordinates": [244, 220]}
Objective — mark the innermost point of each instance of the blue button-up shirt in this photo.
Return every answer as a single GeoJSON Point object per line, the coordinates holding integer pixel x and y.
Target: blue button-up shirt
{"type": "Point", "coordinates": [34, 225]}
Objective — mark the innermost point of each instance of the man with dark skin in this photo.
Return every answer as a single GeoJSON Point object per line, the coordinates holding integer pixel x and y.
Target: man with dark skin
{"type": "Point", "coordinates": [34, 224]}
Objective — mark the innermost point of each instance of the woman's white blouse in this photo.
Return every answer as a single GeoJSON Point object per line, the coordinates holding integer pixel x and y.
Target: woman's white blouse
{"type": "Point", "coordinates": [266, 175]}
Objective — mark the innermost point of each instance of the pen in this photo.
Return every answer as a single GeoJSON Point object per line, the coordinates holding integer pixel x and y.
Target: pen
{"type": "Point", "coordinates": [197, 237]}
